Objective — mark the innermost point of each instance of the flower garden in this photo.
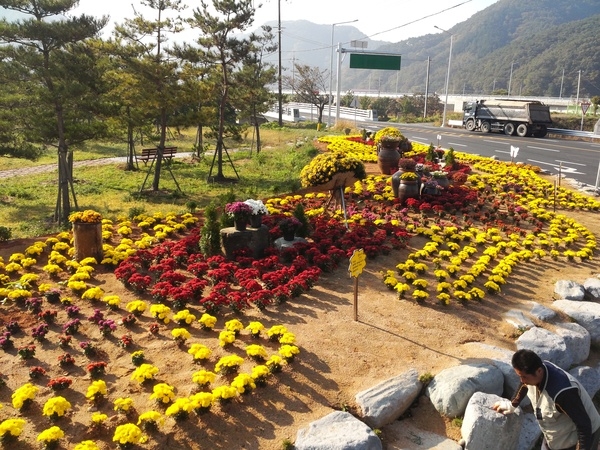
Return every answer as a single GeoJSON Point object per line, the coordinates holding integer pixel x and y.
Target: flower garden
{"type": "Point", "coordinates": [71, 349]}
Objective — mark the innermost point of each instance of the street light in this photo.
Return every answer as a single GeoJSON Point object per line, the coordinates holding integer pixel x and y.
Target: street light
{"type": "Point", "coordinates": [447, 74]}
{"type": "Point", "coordinates": [331, 67]}
{"type": "Point", "coordinates": [510, 78]}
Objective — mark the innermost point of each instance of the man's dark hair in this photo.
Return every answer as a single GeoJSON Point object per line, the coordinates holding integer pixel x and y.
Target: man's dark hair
{"type": "Point", "coordinates": [526, 361]}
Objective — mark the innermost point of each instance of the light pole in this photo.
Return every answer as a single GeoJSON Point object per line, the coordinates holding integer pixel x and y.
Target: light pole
{"type": "Point", "coordinates": [447, 74]}
{"type": "Point", "coordinates": [510, 78]}
{"type": "Point", "coordinates": [331, 68]}
{"type": "Point", "coordinates": [280, 100]}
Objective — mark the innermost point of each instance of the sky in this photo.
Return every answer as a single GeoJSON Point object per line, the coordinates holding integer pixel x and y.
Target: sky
{"type": "Point", "coordinates": [386, 20]}
{"type": "Point", "coordinates": [376, 17]}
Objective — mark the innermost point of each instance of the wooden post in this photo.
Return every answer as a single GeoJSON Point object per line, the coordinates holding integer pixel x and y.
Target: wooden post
{"type": "Point", "coordinates": [554, 195]}
{"type": "Point", "coordinates": [355, 299]}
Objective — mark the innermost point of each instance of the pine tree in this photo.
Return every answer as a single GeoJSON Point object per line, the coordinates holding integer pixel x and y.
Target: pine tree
{"type": "Point", "coordinates": [48, 61]}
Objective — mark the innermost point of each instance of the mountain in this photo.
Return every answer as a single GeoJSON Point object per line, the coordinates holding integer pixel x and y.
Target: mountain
{"type": "Point", "coordinates": [307, 43]}
{"type": "Point", "coordinates": [539, 47]}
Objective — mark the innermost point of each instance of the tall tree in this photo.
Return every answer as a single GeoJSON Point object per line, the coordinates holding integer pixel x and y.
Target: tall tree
{"type": "Point", "coordinates": [151, 67]}
{"type": "Point", "coordinates": [220, 47]}
{"type": "Point", "coordinates": [251, 96]}
{"type": "Point", "coordinates": [309, 86]}
{"type": "Point", "coordinates": [48, 62]}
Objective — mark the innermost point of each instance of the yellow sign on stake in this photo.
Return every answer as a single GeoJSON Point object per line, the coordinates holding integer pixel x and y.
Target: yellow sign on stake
{"type": "Point", "coordinates": [358, 261]}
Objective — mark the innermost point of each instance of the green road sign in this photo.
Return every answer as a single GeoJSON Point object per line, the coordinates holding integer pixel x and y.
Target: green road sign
{"type": "Point", "coordinates": [383, 62]}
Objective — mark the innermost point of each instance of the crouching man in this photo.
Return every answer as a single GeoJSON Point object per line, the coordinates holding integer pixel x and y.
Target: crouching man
{"type": "Point", "coordinates": [563, 408]}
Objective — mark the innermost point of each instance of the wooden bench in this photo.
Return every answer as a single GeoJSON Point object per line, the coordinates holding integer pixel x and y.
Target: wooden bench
{"type": "Point", "coordinates": [151, 153]}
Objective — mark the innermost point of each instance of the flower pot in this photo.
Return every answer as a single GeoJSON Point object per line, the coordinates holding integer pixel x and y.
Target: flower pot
{"type": "Point", "coordinates": [256, 220]}
{"type": "Point", "coordinates": [289, 235]}
{"type": "Point", "coordinates": [408, 189]}
{"type": "Point", "coordinates": [240, 224]}
{"type": "Point", "coordinates": [429, 190]}
{"type": "Point", "coordinates": [387, 159]}
{"type": "Point", "coordinates": [52, 297]}
{"type": "Point", "coordinates": [87, 240]}
{"type": "Point", "coordinates": [443, 182]}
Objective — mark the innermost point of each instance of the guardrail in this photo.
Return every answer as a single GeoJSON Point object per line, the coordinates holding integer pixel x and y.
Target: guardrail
{"type": "Point", "coordinates": [575, 133]}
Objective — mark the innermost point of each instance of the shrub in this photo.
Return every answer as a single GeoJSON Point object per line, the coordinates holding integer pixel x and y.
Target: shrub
{"type": "Point", "coordinates": [5, 234]}
{"type": "Point", "coordinates": [210, 237]}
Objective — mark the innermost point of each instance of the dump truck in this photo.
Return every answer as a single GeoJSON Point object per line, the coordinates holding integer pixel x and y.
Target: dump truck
{"type": "Point", "coordinates": [524, 118]}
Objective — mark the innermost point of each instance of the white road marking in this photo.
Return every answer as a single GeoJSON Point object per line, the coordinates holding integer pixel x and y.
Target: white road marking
{"type": "Point", "coordinates": [564, 169]}
{"type": "Point", "coordinates": [458, 145]}
{"type": "Point", "coordinates": [570, 162]}
{"type": "Point", "coordinates": [545, 149]}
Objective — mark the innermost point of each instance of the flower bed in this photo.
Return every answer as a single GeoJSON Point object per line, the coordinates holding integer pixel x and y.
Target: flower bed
{"type": "Point", "coordinates": [473, 236]}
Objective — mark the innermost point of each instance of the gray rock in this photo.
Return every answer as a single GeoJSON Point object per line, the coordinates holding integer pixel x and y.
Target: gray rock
{"type": "Point", "coordinates": [592, 288]}
{"type": "Point", "coordinates": [518, 320]}
{"type": "Point", "coordinates": [404, 435]}
{"type": "Point", "coordinates": [484, 428]}
{"type": "Point", "coordinates": [547, 345]}
{"type": "Point", "coordinates": [586, 314]}
{"type": "Point", "coordinates": [569, 290]}
{"type": "Point", "coordinates": [577, 339]}
{"type": "Point", "coordinates": [588, 377]}
{"type": "Point", "coordinates": [388, 400]}
{"type": "Point", "coordinates": [530, 432]}
{"type": "Point", "coordinates": [542, 313]}
{"type": "Point", "coordinates": [337, 431]}
{"type": "Point", "coordinates": [451, 389]}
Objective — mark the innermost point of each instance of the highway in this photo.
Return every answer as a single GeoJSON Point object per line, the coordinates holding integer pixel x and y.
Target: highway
{"type": "Point", "coordinates": [575, 159]}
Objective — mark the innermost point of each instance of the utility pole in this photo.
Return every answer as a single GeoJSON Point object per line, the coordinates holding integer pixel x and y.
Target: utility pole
{"type": "Point", "coordinates": [561, 83]}
{"type": "Point", "coordinates": [577, 101]}
{"type": "Point", "coordinates": [279, 76]}
{"type": "Point", "coordinates": [331, 69]}
{"type": "Point", "coordinates": [510, 78]}
{"type": "Point", "coordinates": [447, 75]}
{"type": "Point", "coordinates": [426, 88]}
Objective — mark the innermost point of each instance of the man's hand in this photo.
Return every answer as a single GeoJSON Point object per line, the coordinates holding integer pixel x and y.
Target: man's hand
{"type": "Point", "coordinates": [504, 407]}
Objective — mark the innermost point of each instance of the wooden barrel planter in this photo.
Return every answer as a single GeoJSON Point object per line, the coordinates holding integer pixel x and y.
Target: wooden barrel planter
{"type": "Point", "coordinates": [87, 239]}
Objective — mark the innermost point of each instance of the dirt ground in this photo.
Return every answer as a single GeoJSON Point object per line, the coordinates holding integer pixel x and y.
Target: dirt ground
{"type": "Point", "coordinates": [339, 356]}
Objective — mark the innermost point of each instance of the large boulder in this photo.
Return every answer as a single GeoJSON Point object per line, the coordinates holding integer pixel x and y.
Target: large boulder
{"type": "Point", "coordinates": [388, 400]}
{"type": "Point", "coordinates": [451, 389]}
{"type": "Point", "coordinates": [592, 288]}
{"type": "Point", "coordinates": [586, 314]}
{"type": "Point", "coordinates": [338, 430]}
{"type": "Point", "coordinates": [569, 290]}
{"type": "Point", "coordinates": [484, 428]}
{"type": "Point", "coordinates": [577, 340]}
{"type": "Point", "coordinates": [547, 345]}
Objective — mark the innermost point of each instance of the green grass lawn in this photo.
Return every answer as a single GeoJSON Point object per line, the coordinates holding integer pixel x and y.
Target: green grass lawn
{"type": "Point", "coordinates": [27, 203]}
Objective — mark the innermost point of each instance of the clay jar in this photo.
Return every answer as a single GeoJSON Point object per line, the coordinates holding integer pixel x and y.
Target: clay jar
{"type": "Point", "coordinates": [387, 157]}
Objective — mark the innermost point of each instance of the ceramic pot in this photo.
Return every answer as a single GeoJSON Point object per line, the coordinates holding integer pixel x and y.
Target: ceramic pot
{"type": "Point", "coordinates": [396, 182]}
{"type": "Point", "coordinates": [387, 159]}
{"type": "Point", "coordinates": [408, 189]}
